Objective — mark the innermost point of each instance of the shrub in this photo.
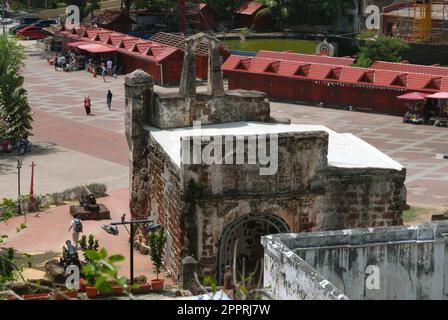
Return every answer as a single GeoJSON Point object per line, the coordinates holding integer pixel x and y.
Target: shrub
{"type": "Point", "coordinates": [157, 241]}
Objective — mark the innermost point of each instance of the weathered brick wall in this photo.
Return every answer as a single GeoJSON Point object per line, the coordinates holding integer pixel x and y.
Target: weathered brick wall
{"type": "Point", "coordinates": [362, 198]}
{"type": "Point", "coordinates": [165, 196]}
{"type": "Point", "coordinates": [172, 110]}
{"type": "Point", "coordinates": [154, 186]}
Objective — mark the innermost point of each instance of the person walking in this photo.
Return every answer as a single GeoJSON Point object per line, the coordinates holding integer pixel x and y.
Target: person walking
{"type": "Point", "coordinates": [109, 65]}
{"type": "Point", "coordinates": [76, 228]}
{"type": "Point", "coordinates": [87, 105]}
{"type": "Point", "coordinates": [103, 72]}
{"type": "Point", "coordinates": [56, 62]}
{"type": "Point", "coordinates": [109, 99]}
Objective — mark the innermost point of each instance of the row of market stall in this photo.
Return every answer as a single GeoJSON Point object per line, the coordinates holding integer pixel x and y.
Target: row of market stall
{"type": "Point", "coordinates": [161, 57]}
{"type": "Point", "coordinates": [426, 108]}
{"type": "Point", "coordinates": [334, 82]}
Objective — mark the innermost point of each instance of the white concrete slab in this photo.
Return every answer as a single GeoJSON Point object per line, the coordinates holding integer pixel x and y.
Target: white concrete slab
{"type": "Point", "coordinates": [345, 150]}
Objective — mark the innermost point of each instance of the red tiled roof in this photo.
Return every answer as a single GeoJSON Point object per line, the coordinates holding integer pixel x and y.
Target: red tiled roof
{"type": "Point", "coordinates": [343, 74]}
{"type": "Point", "coordinates": [407, 67]}
{"type": "Point", "coordinates": [109, 16]}
{"type": "Point", "coordinates": [125, 44]}
{"type": "Point", "coordinates": [305, 57]}
{"type": "Point", "coordinates": [249, 8]}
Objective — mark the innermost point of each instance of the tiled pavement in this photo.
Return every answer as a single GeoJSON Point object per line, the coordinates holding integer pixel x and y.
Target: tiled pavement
{"type": "Point", "coordinates": [416, 147]}
{"type": "Point", "coordinates": [56, 98]}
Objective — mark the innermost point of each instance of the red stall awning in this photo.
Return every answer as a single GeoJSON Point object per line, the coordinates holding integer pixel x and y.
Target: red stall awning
{"type": "Point", "coordinates": [439, 95]}
{"type": "Point", "coordinates": [413, 96]}
{"type": "Point", "coordinates": [77, 44]}
{"type": "Point", "coordinates": [96, 48]}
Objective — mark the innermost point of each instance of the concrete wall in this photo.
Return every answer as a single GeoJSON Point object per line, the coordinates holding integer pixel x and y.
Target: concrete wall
{"type": "Point", "coordinates": [412, 261]}
{"type": "Point", "coordinates": [288, 277]}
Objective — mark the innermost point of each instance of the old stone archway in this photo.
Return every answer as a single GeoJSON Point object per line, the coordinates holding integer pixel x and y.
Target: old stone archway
{"type": "Point", "coordinates": [248, 230]}
{"type": "Point", "coordinates": [215, 84]}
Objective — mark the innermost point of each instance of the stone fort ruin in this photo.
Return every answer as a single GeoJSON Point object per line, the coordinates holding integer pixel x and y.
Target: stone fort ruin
{"type": "Point", "coordinates": [392, 263]}
{"type": "Point", "coordinates": [323, 180]}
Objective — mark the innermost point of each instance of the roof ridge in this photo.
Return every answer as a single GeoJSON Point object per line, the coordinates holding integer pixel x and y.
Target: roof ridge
{"type": "Point", "coordinates": [308, 54]}
{"type": "Point", "coordinates": [412, 64]}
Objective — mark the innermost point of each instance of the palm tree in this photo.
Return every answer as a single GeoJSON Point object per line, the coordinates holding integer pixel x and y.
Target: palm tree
{"type": "Point", "coordinates": [14, 107]}
{"type": "Point", "coordinates": [15, 111]}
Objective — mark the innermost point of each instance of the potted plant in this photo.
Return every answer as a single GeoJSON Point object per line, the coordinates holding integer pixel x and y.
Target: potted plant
{"type": "Point", "coordinates": [91, 292]}
{"type": "Point", "coordinates": [157, 241]}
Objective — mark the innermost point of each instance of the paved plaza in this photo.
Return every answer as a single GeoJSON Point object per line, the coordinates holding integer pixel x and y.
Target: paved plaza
{"type": "Point", "coordinates": [93, 148]}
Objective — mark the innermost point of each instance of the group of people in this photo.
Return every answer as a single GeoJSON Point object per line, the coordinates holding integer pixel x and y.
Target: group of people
{"type": "Point", "coordinates": [88, 103]}
{"type": "Point", "coordinates": [69, 61]}
{"type": "Point", "coordinates": [107, 68]}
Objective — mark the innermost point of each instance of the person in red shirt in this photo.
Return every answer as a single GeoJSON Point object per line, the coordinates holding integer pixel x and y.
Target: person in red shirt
{"type": "Point", "coordinates": [87, 105]}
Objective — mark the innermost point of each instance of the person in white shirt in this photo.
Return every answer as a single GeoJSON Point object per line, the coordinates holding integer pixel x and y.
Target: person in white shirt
{"type": "Point", "coordinates": [76, 226]}
{"type": "Point", "coordinates": [109, 65]}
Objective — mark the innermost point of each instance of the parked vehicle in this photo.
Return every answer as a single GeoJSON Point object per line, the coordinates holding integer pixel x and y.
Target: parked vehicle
{"type": "Point", "coordinates": [24, 145]}
{"type": "Point", "coordinates": [29, 19]}
{"type": "Point", "coordinates": [6, 146]}
{"type": "Point", "coordinates": [32, 33]}
{"type": "Point", "coordinates": [6, 21]}
{"type": "Point", "coordinates": [18, 27]}
{"type": "Point", "coordinates": [44, 23]}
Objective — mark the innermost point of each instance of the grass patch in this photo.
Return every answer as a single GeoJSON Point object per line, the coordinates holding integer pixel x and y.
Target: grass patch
{"type": "Point", "coordinates": [254, 45]}
{"type": "Point", "coordinates": [410, 214]}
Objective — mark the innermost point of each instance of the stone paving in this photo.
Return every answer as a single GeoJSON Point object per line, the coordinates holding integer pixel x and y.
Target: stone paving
{"type": "Point", "coordinates": [416, 147]}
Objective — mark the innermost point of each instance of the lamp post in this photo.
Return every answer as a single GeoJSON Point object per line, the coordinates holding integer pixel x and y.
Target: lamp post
{"type": "Point", "coordinates": [150, 226]}
{"type": "Point", "coordinates": [31, 199]}
{"type": "Point", "coordinates": [19, 206]}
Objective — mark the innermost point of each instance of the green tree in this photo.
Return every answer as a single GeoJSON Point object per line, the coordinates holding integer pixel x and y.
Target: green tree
{"type": "Point", "coordinates": [381, 48]}
{"type": "Point", "coordinates": [15, 111]}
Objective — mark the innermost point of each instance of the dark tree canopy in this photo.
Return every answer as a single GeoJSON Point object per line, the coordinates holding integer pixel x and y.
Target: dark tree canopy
{"type": "Point", "coordinates": [381, 48]}
{"type": "Point", "coordinates": [15, 111]}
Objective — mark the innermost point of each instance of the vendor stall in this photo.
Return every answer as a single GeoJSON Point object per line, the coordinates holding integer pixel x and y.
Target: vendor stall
{"type": "Point", "coordinates": [440, 117]}
{"type": "Point", "coordinates": [417, 110]}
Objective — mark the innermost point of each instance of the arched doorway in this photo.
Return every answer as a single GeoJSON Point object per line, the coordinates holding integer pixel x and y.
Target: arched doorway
{"type": "Point", "coordinates": [246, 233]}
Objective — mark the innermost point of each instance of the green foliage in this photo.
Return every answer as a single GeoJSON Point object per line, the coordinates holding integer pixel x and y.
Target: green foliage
{"type": "Point", "coordinates": [7, 268]}
{"type": "Point", "coordinates": [245, 32]}
{"type": "Point", "coordinates": [102, 271]}
{"type": "Point", "coordinates": [8, 207]}
{"type": "Point", "coordinates": [210, 281]}
{"type": "Point", "coordinates": [88, 245]}
{"type": "Point", "coordinates": [195, 190]}
{"type": "Point", "coordinates": [382, 48]}
{"type": "Point", "coordinates": [60, 198]}
{"type": "Point", "coordinates": [14, 108]}
{"type": "Point", "coordinates": [157, 240]}
{"type": "Point", "coordinates": [310, 12]}
{"type": "Point", "coordinates": [367, 35]}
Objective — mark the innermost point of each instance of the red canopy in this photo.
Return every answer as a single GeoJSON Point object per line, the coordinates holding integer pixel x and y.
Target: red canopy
{"type": "Point", "coordinates": [439, 95]}
{"type": "Point", "coordinates": [415, 96]}
{"type": "Point", "coordinates": [96, 48]}
{"type": "Point", "coordinates": [77, 44]}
